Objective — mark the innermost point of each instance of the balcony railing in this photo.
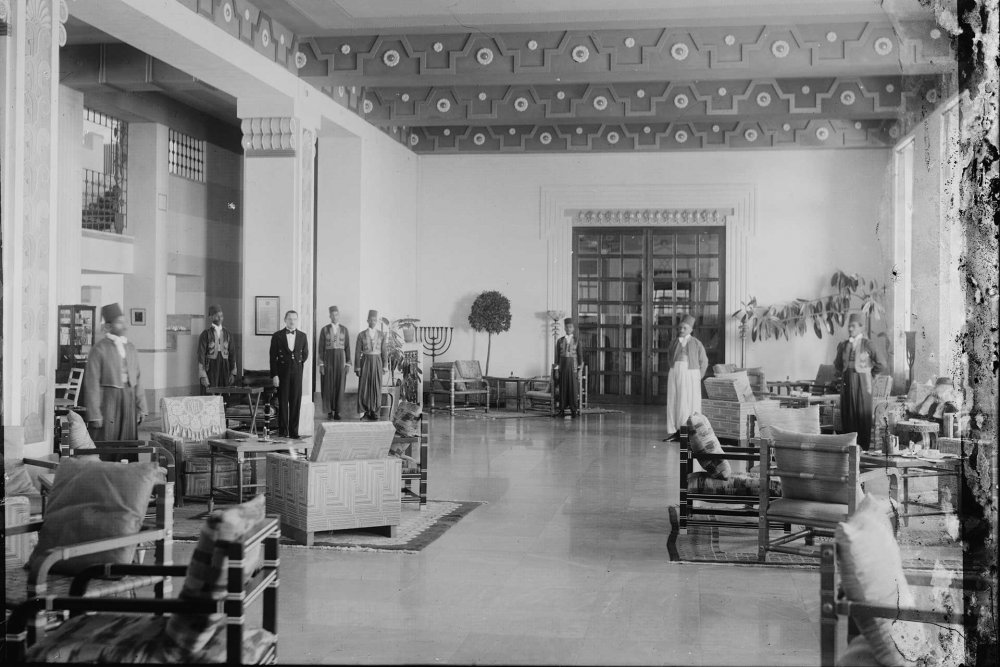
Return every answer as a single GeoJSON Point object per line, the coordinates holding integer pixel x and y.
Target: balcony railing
{"type": "Point", "coordinates": [103, 203]}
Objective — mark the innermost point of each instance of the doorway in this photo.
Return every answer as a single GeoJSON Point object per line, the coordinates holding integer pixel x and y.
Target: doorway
{"type": "Point", "coordinates": [631, 288]}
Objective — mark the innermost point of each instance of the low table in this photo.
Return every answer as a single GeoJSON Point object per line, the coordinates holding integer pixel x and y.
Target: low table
{"type": "Point", "coordinates": [253, 400]}
{"type": "Point", "coordinates": [904, 468]}
{"type": "Point", "coordinates": [245, 451]}
{"type": "Point", "coordinates": [501, 389]}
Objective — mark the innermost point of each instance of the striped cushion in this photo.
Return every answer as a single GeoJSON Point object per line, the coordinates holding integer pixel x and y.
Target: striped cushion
{"type": "Point", "coordinates": [738, 484]}
{"type": "Point", "coordinates": [206, 573]}
{"type": "Point", "coordinates": [704, 444]}
{"type": "Point", "coordinates": [822, 454]}
{"type": "Point", "coordinates": [137, 639]}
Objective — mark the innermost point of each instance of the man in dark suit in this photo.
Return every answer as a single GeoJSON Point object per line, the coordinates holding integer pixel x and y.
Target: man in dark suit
{"type": "Point", "coordinates": [289, 351]}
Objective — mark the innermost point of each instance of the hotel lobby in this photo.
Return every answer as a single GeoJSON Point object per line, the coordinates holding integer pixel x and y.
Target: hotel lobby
{"type": "Point", "coordinates": [768, 169]}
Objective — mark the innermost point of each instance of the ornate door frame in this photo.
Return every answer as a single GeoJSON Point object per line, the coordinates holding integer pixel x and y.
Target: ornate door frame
{"type": "Point", "coordinates": [732, 205]}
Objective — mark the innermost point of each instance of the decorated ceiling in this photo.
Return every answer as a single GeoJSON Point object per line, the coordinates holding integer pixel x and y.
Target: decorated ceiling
{"type": "Point", "coordinates": [713, 74]}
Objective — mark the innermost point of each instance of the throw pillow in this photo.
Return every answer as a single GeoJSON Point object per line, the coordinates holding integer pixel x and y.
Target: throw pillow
{"type": "Point", "coordinates": [822, 454]}
{"type": "Point", "coordinates": [872, 572]}
{"type": "Point", "coordinates": [206, 573]}
{"type": "Point", "coordinates": [76, 434]}
{"type": "Point", "coordinates": [91, 500]}
{"type": "Point", "coordinates": [706, 447]}
{"type": "Point", "coordinates": [800, 420]}
{"type": "Point", "coordinates": [407, 419]}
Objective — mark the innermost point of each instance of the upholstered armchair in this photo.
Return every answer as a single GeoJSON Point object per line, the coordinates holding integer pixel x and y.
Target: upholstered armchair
{"type": "Point", "coordinates": [821, 486]}
{"type": "Point", "coordinates": [459, 379]}
{"type": "Point", "coordinates": [188, 423]}
{"type": "Point", "coordinates": [350, 481]}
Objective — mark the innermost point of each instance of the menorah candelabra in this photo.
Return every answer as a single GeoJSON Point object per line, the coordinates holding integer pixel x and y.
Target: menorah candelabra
{"type": "Point", "coordinates": [436, 340]}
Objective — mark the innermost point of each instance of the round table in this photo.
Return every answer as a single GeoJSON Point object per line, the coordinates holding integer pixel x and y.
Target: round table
{"type": "Point", "coordinates": [928, 431]}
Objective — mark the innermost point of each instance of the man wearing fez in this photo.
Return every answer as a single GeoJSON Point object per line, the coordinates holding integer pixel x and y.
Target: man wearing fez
{"type": "Point", "coordinates": [370, 362]}
{"type": "Point", "coordinates": [856, 363]}
{"type": "Point", "coordinates": [568, 352]}
{"type": "Point", "coordinates": [289, 351]}
{"type": "Point", "coordinates": [334, 355]}
{"type": "Point", "coordinates": [113, 394]}
{"type": "Point", "coordinates": [688, 364]}
{"type": "Point", "coordinates": [216, 353]}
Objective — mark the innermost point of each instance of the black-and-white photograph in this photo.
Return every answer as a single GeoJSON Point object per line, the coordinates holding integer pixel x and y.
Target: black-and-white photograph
{"type": "Point", "coordinates": [499, 332]}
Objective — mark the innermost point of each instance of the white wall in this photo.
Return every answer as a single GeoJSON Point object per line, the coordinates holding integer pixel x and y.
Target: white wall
{"type": "Point", "coordinates": [817, 211]}
{"type": "Point", "coordinates": [366, 232]}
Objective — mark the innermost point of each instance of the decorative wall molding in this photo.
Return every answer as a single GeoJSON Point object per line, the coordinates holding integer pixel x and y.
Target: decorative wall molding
{"type": "Point", "coordinates": [270, 137]}
{"type": "Point", "coordinates": [645, 217]}
{"type": "Point", "coordinates": [817, 133]}
{"type": "Point", "coordinates": [560, 207]}
{"type": "Point", "coordinates": [246, 22]}
{"type": "Point", "coordinates": [857, 98]}
{"type": "Point", "coordinates": [704, 52]}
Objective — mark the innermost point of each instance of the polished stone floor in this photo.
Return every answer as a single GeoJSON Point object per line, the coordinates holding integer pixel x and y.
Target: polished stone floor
{"type": "Point", "coordinates": [566, 564]}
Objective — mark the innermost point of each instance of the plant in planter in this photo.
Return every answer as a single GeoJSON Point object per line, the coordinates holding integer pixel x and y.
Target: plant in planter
{"type": "Point", "coordinates": [824, 314]}
{"type": "Point", "coordinates": [490, 313]}
{"type": "Point", "coordinates": [398, 332]}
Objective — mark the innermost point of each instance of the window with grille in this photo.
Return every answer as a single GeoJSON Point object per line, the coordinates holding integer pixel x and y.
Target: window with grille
{"type": "Point", "coordinates": [186, 156]}
{"type": "Point", "coordinates": [105, 172]}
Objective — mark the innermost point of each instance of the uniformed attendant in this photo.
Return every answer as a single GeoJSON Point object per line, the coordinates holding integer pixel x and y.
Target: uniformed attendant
{"type": "Point", "coordinates": [289, 351]}
{"type": "Point", "coordinates": [689, 362]}
{"type": "Point", "coordinates": [112, 388]}
{"type": "Point", "coordinates": [334, 360]}
{"type": "Point", "coordinates": [856, 363]}
{"type": "Point", "coordinates": [371, 360]}
{"type": "Point", "coordinates": [216, 353]}
{"type": "Point", "coordinates": [569, 352]}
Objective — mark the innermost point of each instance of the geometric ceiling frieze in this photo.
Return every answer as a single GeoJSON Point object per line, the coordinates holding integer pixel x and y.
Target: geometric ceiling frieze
{"type": "Point", "coordinates": [742, 134]}
{"type": "Point", "coordinates": [911, 47]}
{"type": "Point", "coordinates": [852, 98]}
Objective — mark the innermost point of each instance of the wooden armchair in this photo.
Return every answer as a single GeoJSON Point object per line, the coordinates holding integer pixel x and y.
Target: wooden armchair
{"type": "Point", "coordinates": [543, 390]}
{"type": "Point", "coordinates": [820, 484]}
{"type": "Point", "coordinates": [232, 568]}
{"type": "Point", "coordinates": [50, 570]}
{"type": "Point", "coordinates": [462, 379]}
{"type": "Point", "coordinates": [736, 497]}
{"type": "Point", "coordinates": [188, 423]}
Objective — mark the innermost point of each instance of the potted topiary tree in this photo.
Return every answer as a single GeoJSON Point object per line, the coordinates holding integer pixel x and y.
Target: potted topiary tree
{"type": "Point", "coordinates": [490, 313]}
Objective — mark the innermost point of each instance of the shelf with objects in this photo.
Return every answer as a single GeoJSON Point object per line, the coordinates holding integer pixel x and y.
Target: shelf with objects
{"type": "Point", "coordinates": [77, 325]}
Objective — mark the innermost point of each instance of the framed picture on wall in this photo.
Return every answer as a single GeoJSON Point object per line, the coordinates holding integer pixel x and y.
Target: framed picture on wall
{"type": "Point", "coordinates": [266, 315]}
{"type": "Point", "coordinates": [138, 317]}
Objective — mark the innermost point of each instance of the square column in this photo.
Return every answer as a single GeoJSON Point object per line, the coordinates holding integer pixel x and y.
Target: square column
{"type": "Point", "coordinates": [29, 125]}
{"type": "Point", "coordinates": [279, 227]}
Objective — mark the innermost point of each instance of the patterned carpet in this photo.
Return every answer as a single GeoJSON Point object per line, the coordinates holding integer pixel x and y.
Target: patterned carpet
{"type": "Point", "coordinates": [417, 528]}
{"type": "Point", "coordinates": [922, 543]}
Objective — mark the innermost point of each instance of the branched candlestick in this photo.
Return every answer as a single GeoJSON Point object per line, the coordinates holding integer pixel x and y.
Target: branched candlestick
{"type": "Point", "coordinates": [436, 340]}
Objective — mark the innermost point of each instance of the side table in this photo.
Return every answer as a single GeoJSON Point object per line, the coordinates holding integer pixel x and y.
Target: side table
{"type": "Point", "coordinates": [906, 467]}
{"type": "Point", "coordinates": [414, 468]}
{"type": "Point", "coordinates": [245, 451]}
{"type": "Point", "coordinates": [928, 431]}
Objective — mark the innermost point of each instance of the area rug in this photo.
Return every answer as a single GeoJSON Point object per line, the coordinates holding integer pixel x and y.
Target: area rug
{"type": "Point", "coordinates": [920, 547]}
{"type": "Point", "coordinates": [496, 413]}
{"type": "Point", "coordinates": [416, 530]}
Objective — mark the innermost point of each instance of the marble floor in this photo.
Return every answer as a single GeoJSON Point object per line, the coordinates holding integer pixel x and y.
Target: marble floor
{"type": "Point", "coordinates": [566, 564]}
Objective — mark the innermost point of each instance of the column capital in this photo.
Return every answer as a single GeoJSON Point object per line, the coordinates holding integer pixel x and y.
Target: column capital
{"type": "Point", "coordinates": [271, 137]}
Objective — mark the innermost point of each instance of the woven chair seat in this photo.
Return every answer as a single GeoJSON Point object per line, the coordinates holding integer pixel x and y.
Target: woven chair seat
{"type": "Point", "coordinates": [738, 484]}
{"type": "Point", "coordinates": [117, 638]}
{"type": "Point", "coordinates": [807, 510]}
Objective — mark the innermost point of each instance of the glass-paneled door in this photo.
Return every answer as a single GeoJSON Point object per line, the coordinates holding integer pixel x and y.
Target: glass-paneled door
{"type": "Point", "coordinates": [632, 286]}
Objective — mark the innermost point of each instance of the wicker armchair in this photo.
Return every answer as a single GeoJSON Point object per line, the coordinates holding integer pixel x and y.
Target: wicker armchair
{"type": "Point", "coordinates": [188, 423]}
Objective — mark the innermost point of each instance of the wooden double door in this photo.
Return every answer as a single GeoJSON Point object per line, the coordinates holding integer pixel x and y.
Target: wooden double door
{"type": "Point", "coordinates": [631, 289]}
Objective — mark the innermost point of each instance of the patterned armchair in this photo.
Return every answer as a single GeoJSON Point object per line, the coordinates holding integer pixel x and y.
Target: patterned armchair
{"type": "Point", "coordinates": [188, 423]}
